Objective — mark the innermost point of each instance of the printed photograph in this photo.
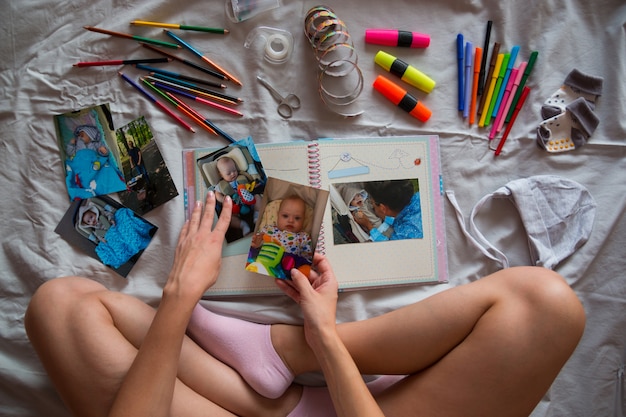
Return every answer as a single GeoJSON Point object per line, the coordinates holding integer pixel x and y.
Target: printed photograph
{"type": "Point", "coordinates": [148, 180]}
{"type": "Point", "coordinates": [91, 158]}
{"type": "Point", "coordinates": [376, 211]}
{"type": "Point", "coordinates": [287, 231]}
{"type": "Point", "coordinates": [107, 231]}
{"type": "Point", "coordinates": [236, 171]}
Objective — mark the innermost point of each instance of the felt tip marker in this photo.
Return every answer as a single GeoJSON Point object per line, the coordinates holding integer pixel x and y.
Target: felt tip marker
{"type": "Point", "coordinates": [393, 37]}
{"type": "Point", "coordinates": [459, 59]}
{"type": "Point", "coordinates": [401, 98]}
{"type": "Point", "coordinates": [406, 72]}
{"type": "Point", "coordinates": [520, 88]}
{"type": "Point", "coordinates": [467, 93]}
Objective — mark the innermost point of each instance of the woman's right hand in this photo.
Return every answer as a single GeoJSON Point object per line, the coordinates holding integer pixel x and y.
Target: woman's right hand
{"type": "Point", "coordinates": [317, 296]}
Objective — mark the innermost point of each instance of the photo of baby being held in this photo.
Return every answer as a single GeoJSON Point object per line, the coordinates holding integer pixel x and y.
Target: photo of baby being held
{"type": "Point", "coordinates": [288, 229]}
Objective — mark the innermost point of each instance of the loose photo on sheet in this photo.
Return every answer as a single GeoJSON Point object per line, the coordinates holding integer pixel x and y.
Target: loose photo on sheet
{"type": "Point", "coordinates": [148, 180]}
{"type": "Point", "coordinates": [107, 231]}
{"type": "Point", "coordinates": [90, 155]}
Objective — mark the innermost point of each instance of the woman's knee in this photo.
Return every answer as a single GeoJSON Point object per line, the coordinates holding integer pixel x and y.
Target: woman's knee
{"type": "Point", "coordinates": [54, 298]}
{"type": "Point", "coordinates": [549, 296]}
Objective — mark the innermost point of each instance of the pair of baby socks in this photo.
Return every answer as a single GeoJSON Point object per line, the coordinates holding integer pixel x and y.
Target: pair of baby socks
{"type": "Point", "coordinates": [568, 114]}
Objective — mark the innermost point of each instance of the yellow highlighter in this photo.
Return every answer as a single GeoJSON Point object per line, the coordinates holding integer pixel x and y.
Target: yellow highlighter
{"type": "Point", "coordinates": [492, 84]}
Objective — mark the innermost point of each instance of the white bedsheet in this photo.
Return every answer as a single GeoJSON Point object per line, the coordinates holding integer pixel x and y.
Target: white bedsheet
{"type": "Point", "coordinates": [41, 40]}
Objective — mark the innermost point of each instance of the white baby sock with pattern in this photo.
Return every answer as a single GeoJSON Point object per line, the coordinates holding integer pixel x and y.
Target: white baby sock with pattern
{"type": "Point", "coordinates": [577, 84]}
{"type": "Point", "coordinates": [569, 130]}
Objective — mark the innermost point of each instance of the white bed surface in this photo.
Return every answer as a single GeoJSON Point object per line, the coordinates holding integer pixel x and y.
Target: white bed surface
{"type": "Point", "coordinates": [41, 40]}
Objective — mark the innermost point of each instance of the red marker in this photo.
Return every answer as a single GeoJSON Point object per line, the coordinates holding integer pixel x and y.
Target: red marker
{"type": "Point", "coordinates": [401, 98]}
{"type": "Point", "coordinates": [516, 110]}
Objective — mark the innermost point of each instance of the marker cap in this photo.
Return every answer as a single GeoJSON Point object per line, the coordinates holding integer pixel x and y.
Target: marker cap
{"type": "Point", "coordinates": [393, 37]}
{"type": "Point", "coordinates": [406, 72]}
{"type": "Point", "coordinates": [398, 96]}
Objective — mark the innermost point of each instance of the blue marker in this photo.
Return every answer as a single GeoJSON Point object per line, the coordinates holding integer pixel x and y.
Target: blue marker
{"type": "Point", "coordinates": [468, 78]}
{"type": "Point", "coordinates": [507, 74]}
{"type": "Point", "coordinates": [459, 56]}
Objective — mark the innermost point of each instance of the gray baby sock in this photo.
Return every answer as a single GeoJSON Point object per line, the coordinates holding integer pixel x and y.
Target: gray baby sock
{"type": "Point", "coordinates": [577, 84]}
{"type": "Point", "coordinates": [569, 130]}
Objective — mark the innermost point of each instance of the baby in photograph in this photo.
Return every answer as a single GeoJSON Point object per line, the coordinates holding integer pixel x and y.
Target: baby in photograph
{"type": "Point", "coordinates": [238, 185]}
{"type": "Point", "coordinates": [287, 232]}
{"type": "Point", "coordinates": [119, 234]}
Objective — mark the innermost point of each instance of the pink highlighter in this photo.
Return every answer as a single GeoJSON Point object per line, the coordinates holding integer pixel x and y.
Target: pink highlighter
{"type": "Point", "coordinates": [393, 37]}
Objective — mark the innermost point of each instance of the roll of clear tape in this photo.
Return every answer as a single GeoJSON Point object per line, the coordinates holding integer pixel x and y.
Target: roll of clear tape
{"type": "Point", "coordinates": [278, 43]}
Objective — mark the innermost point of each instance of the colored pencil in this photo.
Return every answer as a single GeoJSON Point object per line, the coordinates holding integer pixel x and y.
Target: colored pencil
{"type": "Point", "coordinates": [197, 98]}
{"type": "Point", "coordinates": [181, 27]}
{"type": "Point", "coordinates": [128, 36]}
{"type": "Point", "coordinates": [210, 93]}
{"type": "Point", "coordinates": [206, 94]}
{"type": "Point", "coordinates": [122, 62]}
{"type": "Point", "coordinates": [156, 102]}
{"type": "Point", "coordinates": [202, 119]}
{"type": "Point", "coordinates": [207, 121]}
{"type": "Point", "coordinates": [516, 110]}
{"type": "Point", "coordinates": [185, 61]}
{"type": "Point", "coordinates": [178, 106]}
{"type": "Point", "coordinates": [177, 76]}
{"type": "Point", "coordinates": [201, 56]}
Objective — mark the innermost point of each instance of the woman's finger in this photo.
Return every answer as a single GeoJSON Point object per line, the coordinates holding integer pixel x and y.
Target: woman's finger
{"type": "Point", "coordinates": [288, 288]}
{"type": "Point", "coordinates": [224, 220]}
{"type": "Point", "coordinates": [196, 214]}
{"type": "Point", "coordinates": [206, 220]}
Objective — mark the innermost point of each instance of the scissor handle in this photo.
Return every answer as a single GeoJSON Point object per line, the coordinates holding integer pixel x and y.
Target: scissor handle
{"type": "Point", "coordinates": [284, 110]}
{"type": "Point", "coordinates": [292, 101]}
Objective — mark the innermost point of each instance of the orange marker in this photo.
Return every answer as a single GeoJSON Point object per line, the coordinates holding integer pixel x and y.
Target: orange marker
{"type": "Point", "coordinates": [401, 98]}
{"type": "Point", "coordinates": [477, 64]}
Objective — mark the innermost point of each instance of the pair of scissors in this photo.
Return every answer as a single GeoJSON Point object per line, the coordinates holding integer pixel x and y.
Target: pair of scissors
{"type": "Point", "coordinates": [286, 104]}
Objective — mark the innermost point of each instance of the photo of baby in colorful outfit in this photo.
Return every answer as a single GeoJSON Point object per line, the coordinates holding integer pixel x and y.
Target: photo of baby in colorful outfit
{"type": "Point", "coordinates": [286, 233]}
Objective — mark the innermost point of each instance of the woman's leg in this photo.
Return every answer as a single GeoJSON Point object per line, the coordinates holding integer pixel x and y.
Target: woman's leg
{"type": "Point", "coordinates": [87, 338]}
{"type": "Point", "coordinates": [492, 347]}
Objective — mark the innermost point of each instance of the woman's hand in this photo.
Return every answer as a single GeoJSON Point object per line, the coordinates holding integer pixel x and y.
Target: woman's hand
{"type": "Point", "coordinates": [199, 250]}
{"type": "Point", "coordinates": [317, 296]}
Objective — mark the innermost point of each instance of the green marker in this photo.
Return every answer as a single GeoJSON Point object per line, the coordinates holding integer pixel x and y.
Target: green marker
{"type": "Point", "coordinates": [518, 93]}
